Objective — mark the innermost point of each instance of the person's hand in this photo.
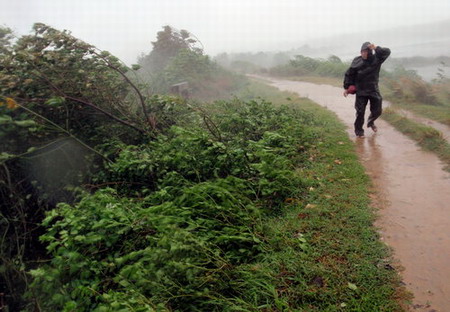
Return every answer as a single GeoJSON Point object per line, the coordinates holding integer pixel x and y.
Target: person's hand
{"type": "Point", "coordinates": [345, 93]}
{"type": "Point", "coordinates": [372, 46]}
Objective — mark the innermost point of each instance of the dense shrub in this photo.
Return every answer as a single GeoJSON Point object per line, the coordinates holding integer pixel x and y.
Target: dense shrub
{"type": "Point", "coordinates": [63, 105]}
{"type": "Point", "coordinates": [164, 200]}
{"type": "Point", "coordinates": [185, 211]}
{"type": "Point", "coordinates": [407, 86]}
{"type": "Point", "coordinates": [307, 66]}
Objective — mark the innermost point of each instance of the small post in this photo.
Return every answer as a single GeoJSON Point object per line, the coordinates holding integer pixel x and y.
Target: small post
{"type": "Point", "coordinates": [181, 89]}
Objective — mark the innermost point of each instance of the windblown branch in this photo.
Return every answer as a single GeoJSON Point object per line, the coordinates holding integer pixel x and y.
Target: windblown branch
{"type": "Point", "coordinates": [102, 111]}
{"type": "Point", "coordinates": [65, 131]}
{"type": "Point", "coordinates": [141, 97]}
{"type": "Point", "coordinates": [62, 93]}
{"type": "Point", "coordinates": [209, 124]}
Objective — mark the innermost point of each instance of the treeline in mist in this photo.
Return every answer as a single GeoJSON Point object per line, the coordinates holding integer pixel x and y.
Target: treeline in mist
{"type": "Point", "coordinates": [177, 57]}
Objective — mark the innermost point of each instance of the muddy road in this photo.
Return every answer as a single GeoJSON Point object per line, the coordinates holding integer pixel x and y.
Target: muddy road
{"type": "Point", "coordinates": [413, 193]}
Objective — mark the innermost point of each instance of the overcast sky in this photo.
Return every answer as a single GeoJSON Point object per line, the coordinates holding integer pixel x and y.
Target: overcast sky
{"type": "Point", "coordinates": [127, 27]}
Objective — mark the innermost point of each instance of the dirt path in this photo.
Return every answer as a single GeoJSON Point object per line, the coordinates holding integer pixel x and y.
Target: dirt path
{"type": "Point", "coordinates": [415, 198]}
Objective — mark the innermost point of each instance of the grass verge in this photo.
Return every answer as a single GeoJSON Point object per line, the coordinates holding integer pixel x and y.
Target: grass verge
{"type": "Point", "coordinates": [325, 253]}
{"type": "Point", "coordinates": [427, 137]}
{"type": "Point", "coordinates": [438, 113]}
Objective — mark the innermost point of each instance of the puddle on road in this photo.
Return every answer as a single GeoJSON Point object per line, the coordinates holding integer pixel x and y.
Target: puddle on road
{"type": "Point", "coordinates": [413, 192]}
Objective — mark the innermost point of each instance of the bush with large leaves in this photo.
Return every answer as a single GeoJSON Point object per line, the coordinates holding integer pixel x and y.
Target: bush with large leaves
{"type": "Point", "coordinates": [59, 99]}
{"type": "Point", "coordinates": [181, 216]}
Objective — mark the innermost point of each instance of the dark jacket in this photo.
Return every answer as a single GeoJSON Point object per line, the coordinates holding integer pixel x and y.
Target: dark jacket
{"type": "Point", "coordinates": [364, 74]}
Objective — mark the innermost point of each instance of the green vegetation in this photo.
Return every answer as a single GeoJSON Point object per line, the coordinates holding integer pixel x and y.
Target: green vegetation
{"type": "Point", "coordinates": [417, 61]}
{"type": "Point", "coordinates": [427, 137]}
{"type": "Point", "coordinates": [307, 66]}
{"type": "Point", "coordinates": [269, 211]}
{"type": "Point", "coordinates": [59, 99]}
{"type": "Point", "coordinates": [407, 90]}
{"type": "Point", "coordinates": [252, 63]}
{"type": "Point", "coordinates": [177, 57]}
{"type": "Point", "coordinates": [114, 199]}
{"type": "Point", "coordinates": [438, 113]}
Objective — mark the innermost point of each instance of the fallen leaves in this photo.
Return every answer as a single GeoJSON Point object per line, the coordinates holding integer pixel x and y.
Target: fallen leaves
{"type": "Point", "coordinates": [10, 103]}
{"type": "Point", "coordinates": [352, 286]}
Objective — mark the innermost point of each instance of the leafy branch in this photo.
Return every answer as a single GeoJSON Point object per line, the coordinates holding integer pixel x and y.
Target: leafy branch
{"type": "Point", "coordinates": [65, 131]}
{"type": "Point", "coordinates": [84, 102]}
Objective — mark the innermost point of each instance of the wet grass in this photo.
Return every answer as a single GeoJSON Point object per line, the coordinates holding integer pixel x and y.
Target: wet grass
{"type": "Point", "coordinates": [430, 100]}
{"type": "Point", "coordinates": [324, 252]}
{"type": "Point", "coordinates": [426, 137]}
{"type": "Point", "coordinates": [437, 113]}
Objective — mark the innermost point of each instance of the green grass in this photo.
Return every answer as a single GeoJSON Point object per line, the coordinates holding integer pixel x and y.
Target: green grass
{"type": "Point", "coordinates": [288, 227]}
{"type": "Point", "coordinates": [427, 137]}
{"type": "Point", "coordinates": [325, 253]}
{"type": "Point", "coordinates": [438, 113]}
{"type": "Point", "coordinates": [430, 100]}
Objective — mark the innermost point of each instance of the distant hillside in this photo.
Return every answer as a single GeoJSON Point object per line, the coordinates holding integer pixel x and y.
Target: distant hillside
{"type": "Point", "coordinates": [420, 40]}
{"type": "Point", "coordinates": [421, 47]}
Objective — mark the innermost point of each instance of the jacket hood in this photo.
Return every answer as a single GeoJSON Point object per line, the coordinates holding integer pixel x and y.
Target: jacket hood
{"type": "Point", "coordinates": [365, 46]}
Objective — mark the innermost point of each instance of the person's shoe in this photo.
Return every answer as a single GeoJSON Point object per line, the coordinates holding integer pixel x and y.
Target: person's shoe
{"type": "Point", "coordinates": [374, 128]}
{"type": "Point", "coordinates": [360, 135]}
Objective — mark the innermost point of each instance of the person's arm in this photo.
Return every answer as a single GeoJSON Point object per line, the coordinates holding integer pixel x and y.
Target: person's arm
{"type": "Point", "coordinates": [349, 79]}
{"type": "Point", "coordinates": [381, 53]}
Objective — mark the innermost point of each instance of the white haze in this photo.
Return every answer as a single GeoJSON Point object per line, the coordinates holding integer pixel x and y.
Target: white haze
{"type": "Point", "coordinates": [127, 27]}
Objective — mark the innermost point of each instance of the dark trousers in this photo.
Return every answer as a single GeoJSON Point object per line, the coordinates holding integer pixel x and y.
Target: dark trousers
{"type": "Point", "coordinates": [360, 106]}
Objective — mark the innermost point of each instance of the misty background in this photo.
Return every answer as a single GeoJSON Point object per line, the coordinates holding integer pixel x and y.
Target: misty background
{"type": "Point", "coordinates": [318, 28]}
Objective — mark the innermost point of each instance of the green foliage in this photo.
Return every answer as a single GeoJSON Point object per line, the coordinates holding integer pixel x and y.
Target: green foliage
{"type": "Point", "coordinates": [427, 137]}
{"type": "Point", "coordinates": [178, 219]}
{"type": "Point", "coordinates": [307, 66]}
{"type": "Point", "coordinates": [6, 36]}
{"type": "Point", "coordinates": [68, 87]}
{"type": "Point", "coordinates": [204, 78]}
{"type": "Point", "coordinates": [176, 58]}
{"type": "Point", "coordinates": [186, 66]}
{"type": "Point", "coordinates": [168, 44]}
{"type": "Point", "coordinates": [407, 90]}
{"type": "Point", "coordinates": [135, 67]}
{"type": "Point", "coordinates": [186, 212]}
{"type": "Point", "coordinates": [416, 61]}
{"type": "Point", "coordinates": [252, 62]}
{"type": "Point", "coordinates": [15, 128]}
{"type": "Point", "coordinates": [253, 140]}
{"type": "Point", "coordinates": [107, 246]}
{"type": "Point", "coordinates": [166, 111]}
{"type": "Point", "coordinates": [58, 95]}
{"type": "Point", "coordinates": [407, 86]}
{"type": "Point", "coordinates": [305, 63]}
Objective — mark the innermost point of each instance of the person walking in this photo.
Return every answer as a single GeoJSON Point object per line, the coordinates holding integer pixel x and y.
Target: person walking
{"type": "Point", "coordinates": [362, 78]}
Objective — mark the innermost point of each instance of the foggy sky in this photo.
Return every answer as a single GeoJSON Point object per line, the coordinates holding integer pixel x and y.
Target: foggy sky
{"type": "Point", "coordinates": [127, 27]}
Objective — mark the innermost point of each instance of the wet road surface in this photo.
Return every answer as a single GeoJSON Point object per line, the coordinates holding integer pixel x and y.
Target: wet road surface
{"type": "Point", "coordinates": [413, 193]}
